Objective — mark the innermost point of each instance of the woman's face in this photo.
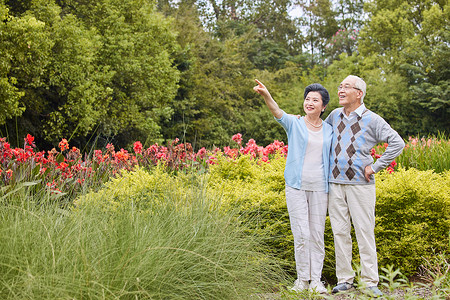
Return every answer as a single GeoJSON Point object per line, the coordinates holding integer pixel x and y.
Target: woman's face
{"type": "Point", "coordinates": [313, 104]}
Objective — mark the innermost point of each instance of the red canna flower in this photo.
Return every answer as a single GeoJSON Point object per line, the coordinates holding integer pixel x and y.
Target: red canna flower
{"type": "Point", "coordinates": [122, 155]}
{"type": "Point", "coordinates": [63, 145]}
{"type": "Point", "coordinates": [110, 148]}
{"type": "Point", "coordinates": [62, 166]}
{"type": "Point", "coordinates": [98, 155]}
{"type": "Point", "coordinates": [212, 160]}
{"type": "Point", "coordinates": [29, 140]}
{"type": "Point", "coordinates": [137, 147]}
{"type": "Point", "coordinates": [237, 138]}
{"type": "Point", "coordinates": [201, 153]}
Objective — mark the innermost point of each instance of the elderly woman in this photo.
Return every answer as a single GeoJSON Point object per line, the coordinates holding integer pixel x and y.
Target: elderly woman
{"type": "Point", "coordinates": [306, 177]}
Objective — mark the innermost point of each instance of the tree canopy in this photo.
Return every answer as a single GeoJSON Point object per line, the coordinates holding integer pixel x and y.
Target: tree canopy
{"type": "Point", "coordinates": [128, 70]}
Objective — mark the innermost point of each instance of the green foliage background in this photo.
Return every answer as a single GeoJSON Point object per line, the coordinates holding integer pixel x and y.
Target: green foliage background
{"type": "Point", "coordinates": [153, 70]}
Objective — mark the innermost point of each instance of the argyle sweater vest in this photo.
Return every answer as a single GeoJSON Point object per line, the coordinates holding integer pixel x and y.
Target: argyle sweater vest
{"type": "Point", "coordinates": [352, 142]}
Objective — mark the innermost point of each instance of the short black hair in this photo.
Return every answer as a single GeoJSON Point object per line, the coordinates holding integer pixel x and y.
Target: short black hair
{"type": "Point", "coordinates": [317, 87]}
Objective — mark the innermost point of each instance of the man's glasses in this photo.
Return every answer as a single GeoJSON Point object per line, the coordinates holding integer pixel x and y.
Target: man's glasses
{"type": "Point", "coordinates": [347, 87]}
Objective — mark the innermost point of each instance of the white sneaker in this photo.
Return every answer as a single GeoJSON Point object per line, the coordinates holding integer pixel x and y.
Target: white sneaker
{"type": "Point", "coordinates": [318, 287]}
{"type": "Point", "coordinates": [300, 285]}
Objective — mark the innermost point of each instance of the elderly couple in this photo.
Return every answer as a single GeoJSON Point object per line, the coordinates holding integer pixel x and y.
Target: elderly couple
{"type": "Point", "coordinates": [329, 166]}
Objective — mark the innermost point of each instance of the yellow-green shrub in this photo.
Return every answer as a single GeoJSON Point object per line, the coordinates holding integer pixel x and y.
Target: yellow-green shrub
{"type": "Point", "coordinates": [413, 210]}
{"type": "Point", "coordinates": [413, 207]}
{"type": "Point", "coordinates": [248, 183]}
{"type": "Point", "coordinates": [413, 217]}
{"type": "Point", "coordinates": [142, 190]}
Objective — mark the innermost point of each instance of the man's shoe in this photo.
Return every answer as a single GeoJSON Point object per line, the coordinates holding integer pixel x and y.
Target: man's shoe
{"type": "Point", "coordinates": [342, 287]}
{"type": "Point", "coordinates": [300, 285]}
{"type": "Point", "coordinates": [374, 291]}
{"type": "Point", "coordinates": [318, 287]}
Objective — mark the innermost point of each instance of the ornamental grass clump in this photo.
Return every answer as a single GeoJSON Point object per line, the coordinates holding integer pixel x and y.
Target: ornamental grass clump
{"type": "Point", "coordinates": [155, 240]}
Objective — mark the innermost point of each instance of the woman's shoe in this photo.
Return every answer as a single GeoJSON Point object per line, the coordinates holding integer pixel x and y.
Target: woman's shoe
{"type": "Point", "coordinates": [300, 285]}
{"type": "Point", "coordinates": [318, 287]}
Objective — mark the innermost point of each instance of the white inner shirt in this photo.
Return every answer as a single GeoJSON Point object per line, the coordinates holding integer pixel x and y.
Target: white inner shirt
{"type": "Point", "coordinates": [313, 178]}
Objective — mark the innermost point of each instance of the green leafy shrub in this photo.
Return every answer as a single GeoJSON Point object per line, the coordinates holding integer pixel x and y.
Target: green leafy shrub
{"type": "Point", "coordinates": [256, 190]}
{"type": "Point", "coordinates": [243, 168]}
{"type": "Point", "coordinates": [137, 188]}
{"type": "Point", "coordinates": [413, 212]}
{"type": "Point", "coordinates": [413, 217]}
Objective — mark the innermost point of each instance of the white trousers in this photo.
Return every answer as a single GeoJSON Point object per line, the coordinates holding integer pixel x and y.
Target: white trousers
{"type": "Point", "coordinates": [354, 204]}
{"type": "Point", "coordinates": [307, 213]}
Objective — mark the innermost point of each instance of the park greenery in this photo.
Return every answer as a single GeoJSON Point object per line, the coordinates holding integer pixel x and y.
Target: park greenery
{"type": "Point", "coordinates": [121, 71]}
{"type": "Point", "coordinates": [122, 174]}
{"type": "Point", "coordinates": [169, 222]}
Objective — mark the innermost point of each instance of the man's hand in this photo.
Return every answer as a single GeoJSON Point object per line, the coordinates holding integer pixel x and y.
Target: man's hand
{"type": "Point", "coordinates": [367, 172]}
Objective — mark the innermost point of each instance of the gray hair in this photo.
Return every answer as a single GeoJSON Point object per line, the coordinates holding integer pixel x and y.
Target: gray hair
{"type": "Point", "coordinates": [359, 84]}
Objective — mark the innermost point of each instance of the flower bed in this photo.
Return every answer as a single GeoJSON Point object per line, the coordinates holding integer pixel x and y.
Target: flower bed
{"type": "Point", "coordinates": [68, 171]}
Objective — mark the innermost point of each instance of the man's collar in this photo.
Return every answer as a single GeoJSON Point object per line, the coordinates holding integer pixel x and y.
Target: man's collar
{"type": "Point", "coordinates": [359, 111]}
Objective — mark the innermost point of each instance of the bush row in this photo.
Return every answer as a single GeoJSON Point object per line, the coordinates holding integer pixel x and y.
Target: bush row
{"type": "Point", "coordinates": [413, 212]}
{"type": "Point", "coordinates": [413, 208]}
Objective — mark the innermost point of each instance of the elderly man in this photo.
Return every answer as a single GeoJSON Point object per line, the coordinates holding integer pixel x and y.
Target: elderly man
{"type": "Point", "coordinates": [352, 186]}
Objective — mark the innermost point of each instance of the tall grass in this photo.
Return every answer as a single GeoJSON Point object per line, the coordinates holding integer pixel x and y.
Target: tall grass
{"type": "Point", "coordinates": [431, 153]}
{"type": "Point", "coordinates": [187, 251]}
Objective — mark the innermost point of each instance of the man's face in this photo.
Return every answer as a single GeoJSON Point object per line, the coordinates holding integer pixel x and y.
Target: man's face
{"type": "Point", "coordinates": [349, 95]}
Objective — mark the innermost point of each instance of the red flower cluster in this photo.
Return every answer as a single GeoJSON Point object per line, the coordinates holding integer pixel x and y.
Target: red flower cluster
{"type": "Point", "coordinates": [63, 145]}
{"type": "Point", "coordinates": [69, 171]}
{"type": "Point", "coordinates": [423, 143]}
{"type": "Point", "coordinates": [381, 148]}
{"type": "Point", "coordinates": [52, 168]}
